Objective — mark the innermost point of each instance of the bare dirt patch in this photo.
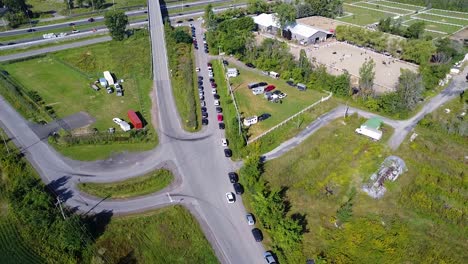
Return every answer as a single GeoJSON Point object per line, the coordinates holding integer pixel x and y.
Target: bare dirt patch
{"type": "Point", "coordinates": [321, 22]}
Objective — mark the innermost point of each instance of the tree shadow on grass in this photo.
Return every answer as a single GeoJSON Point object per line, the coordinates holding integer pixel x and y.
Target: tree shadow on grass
{"type": "Point", "coordinates": [302, 220]}
{"type": "Point", "coordinates": [128, 259]}
{"type": "Point", "coordinates": [98, 222]}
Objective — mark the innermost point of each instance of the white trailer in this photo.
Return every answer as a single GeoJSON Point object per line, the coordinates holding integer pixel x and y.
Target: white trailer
{"type": "Point", "coordinates": [232, 72]}
{"type": "Point", "coordinates": [250, 120]}
{"type": "Point", "coordinates": [274, 74]}
{"type": "Point", "coordinates": [109, 77]}
{"type": "Point", "coordinates": [258, 90]}
{"type": "Point", "coordinates": [125, 126]}
{"type": "Point", "coordinates": [370, 132]}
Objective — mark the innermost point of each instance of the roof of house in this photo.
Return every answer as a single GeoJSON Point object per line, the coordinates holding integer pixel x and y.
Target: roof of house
{"type": "Point", "coordinates": [266, 20]}
{"type": "Point", "coordinates": [374, 123]}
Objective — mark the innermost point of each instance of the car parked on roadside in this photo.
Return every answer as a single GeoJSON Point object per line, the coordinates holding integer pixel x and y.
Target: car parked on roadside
{"type": "Point", "coordinates": [221, 125]}
{"type": "Point", "coordinates": [233, 178]}
{"type": "Point", "coordinates": [250, 65]}
{"type": "Point", "coordinates": [238, 188]}
{"type": "Point", "coordinates": [269, 258]}
{"type": "Point", "coordinates": [224, 142]}
{"type": "Point", "coordinates": [291, 83]}
{"type": "Point", "coordinates": [204, 114]}
{"type": "Point", "coordinates": [227, 153]}
{"type": "Point", "coordinates": [213, 91]}
{"type": "Point", "coordinates": [204, 121]}
{"type": "Point", "coordinates": [269, 88]}
{"type": "Point", "coordinates": [230, 197]}
{"type": "Point", "coordinates": [216, 103]}
{"type": "Point", "coordinates": [263, 116]}
{"type": "Point", "coordinates": [219, 109]}
{"type": "Point", "coordinates": [250, 219]}
{"type": "Point", "coordinates": [220, 117]}
{"type": "Point", "coordinates": [257, 234]}
{"type": "Point", "coordinates": [216, 96]}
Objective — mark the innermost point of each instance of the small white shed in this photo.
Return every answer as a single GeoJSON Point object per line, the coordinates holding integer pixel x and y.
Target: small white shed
{"type": "Point", "coordinates": [232, 72]}
{"type": "Point", "coordinates": [250, 120]}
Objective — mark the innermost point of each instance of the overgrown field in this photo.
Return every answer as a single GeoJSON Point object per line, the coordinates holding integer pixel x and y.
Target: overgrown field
{"type": "Point", "coordinates": [148, 183]}
{"type": "Point", "coordinates": [419, 219]}
{"type": "Point", "coordinates": [170, 235]}
{"type": "Point", "coordinates": [183, 80]}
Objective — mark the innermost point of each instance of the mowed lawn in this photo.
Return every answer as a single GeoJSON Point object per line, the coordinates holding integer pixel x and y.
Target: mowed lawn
{"type": "Point", "coordinates": [251, 104]}
{"type": "Point", "coordinates": [435, 26]}
{"type": "Point", "coordinates": [168, 235]}
{"type": "Point", "coordinates": [363, 16]}
{"type": "Point", "coordinates": [398, 228]}
{"type": "Point", "coordinates": [63, 80]}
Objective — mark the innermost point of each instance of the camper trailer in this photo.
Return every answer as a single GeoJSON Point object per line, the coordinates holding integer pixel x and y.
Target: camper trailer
{"type": "Point", "coordinates": [274, 74]}
{"type": "Point", "coordinates": [301, 87]}
{"type": "Point", "coordinates": [248, 121]}
{"type": "Point", "coordinates": [258, 90]}
{"type": "Point", "coordinates": [232, 72]}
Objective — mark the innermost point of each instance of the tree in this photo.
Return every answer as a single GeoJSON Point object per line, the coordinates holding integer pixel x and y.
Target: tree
{"type": "Point", "coordinates": [257, 6]}
{"type": "Point", "coordinates": [366, 78]}
{"type": "Point", "coordinates": [116, 21]}
{"type": "Point", "coordinates": [69, 4]}
{"type": "Point", "coordinates": [96, 4]}
{"type": "Point", "coordinates": [418, 51]}
{"type": "Point", "coordinates": [15, 6]}
{"type": "Point", "coordinates": [410, 89]}
{"type": "Point", "coordinates": [304, 65]}
{"type": "Point", "coordinates": [286, 14]}
{"type": "Point", "coordinates": [210, 17]}
{"type": "Point", "coordinates": [304, 10]}
{"type": "Point", "coordinates": [416, 30]}
{"type": "Point", "coordinates": [15, 19]}
{"type": "Point", "coordinates": [181, 36]}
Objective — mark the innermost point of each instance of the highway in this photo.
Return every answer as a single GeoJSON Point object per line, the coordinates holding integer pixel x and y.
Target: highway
{"type": "Point", "coordinates": [67, 28]}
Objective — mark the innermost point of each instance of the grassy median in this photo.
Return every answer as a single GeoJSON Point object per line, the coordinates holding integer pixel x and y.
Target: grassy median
{"type": "Point", "coordinates": [146, 184]}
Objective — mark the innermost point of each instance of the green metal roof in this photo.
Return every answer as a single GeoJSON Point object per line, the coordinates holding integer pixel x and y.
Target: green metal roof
{"type": "Point", "coordinates": [374, 122]}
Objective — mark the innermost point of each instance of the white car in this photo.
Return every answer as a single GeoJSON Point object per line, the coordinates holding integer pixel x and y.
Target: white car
{"type": "Point", "coordinates": [282, 95]}
{"type": "Point", "coordinates": [117, 120]}
{"type": "Point", "coordinates": [230, 197]}
{"type": "Point", "coordinates": [224, 142]}
{"type": "Point", "coordinates": [216, 102]}
{"type": "Point", "coordinates": [213, 91]}
{"type": "Point", "coordinates": [197, 69]}
{"type": "Point", "coordinates": [210, 74]}
{"type": "Point", "coordinates": [250, 219]}
{"type": "Point", "coordinates": [202, 103]}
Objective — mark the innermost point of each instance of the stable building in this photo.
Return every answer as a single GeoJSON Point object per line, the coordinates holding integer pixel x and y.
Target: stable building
{"type": "Point", "coordinates": [307, 35]}
{"type": "Point", "coordinates": [267, 23]}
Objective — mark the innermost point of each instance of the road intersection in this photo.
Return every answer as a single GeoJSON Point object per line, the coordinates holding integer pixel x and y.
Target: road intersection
{"type": "Point", "coordinates": [196, 159]}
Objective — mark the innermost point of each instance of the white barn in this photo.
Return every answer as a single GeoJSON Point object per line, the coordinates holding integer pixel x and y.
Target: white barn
{"type": "Point", "coordinates": [308, 35]}
{"type": "Point", "coordinates": [267, 23]}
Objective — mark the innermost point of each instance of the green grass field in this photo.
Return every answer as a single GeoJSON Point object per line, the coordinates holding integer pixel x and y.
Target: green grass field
{"type": "Point", "coordinates": [448, 13]}
{"type": "Point", "coordinates": [362, 16]}
{"type": "Point", "coordinates": [408, 225]}
{"type": "Point", "coordinates": [45, 6]}
{"type": "Point", "coordinates": [436, 26]}
{"type": "Point", "coordinates": [169, 235]}
{"type": "Point", "coordinates": [146, 184]}
{"type": "Point", "coordinates": [251, 104]}
{"type": "Point", "coordinates": [443, 19]}
{"type": "Point", "coordinates": [383, 8]}
{"type": "Point", "coordinates": [398, 5]}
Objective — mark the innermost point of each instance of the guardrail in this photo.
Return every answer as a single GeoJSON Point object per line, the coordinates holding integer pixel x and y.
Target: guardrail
{"type": "Point", "coordinates": [290, 118]}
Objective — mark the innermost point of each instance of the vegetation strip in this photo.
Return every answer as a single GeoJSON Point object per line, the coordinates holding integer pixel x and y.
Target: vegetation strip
{"type": "Point", "coordinates": [146, 184]}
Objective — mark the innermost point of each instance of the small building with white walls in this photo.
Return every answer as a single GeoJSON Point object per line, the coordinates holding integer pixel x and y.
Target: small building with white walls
{"type": "Point", "coordinates": [267, 23]}
{"type": "Point", "coordinates": [308, 35]}
{"type": "Point", "coordinates": [248, 121]}
{"type": "Point", "coordinates": [232, 72]}
{"type": "Point", "coordinates": [371, 128]}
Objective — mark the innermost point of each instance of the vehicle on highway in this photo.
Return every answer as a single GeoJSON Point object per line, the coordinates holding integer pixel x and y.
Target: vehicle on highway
{"type": "Point", "coordinates": [250, 65]}
{"type": "Point", "coordinates": [269, 258]}
{"type": "Point", "coordinates": [257, 234]}
{"type": "Point", "coordinates": [250, 219]}
{"type": "Point", "coordinates": [220, 117]}
{"type": "Point", "coordinates": [238, 188]}
{"type": "Point", "coordinates": [221, 125]}
{"type": "Point", "coordinates": [227, 153]}
{"type": "Point", "coordinates": [224, 142]}
{"type": "Point", "coordinates": [71, 24]}
{"type": "Point", "coordinates": [219, 109]}
{"type": "Point", "coordinates": [204, 121]}
{"type": "Point", "coordinates": [230, 197]}
{"type": "Point", "coordinates": [31, 30]}
{"type": "Point", "coordinates": [233, 178]}
{"type": "Point", "coordinates": [216, 102]}
{"type": "Point", "coordinates": [91, 19]}
{"type": "Point", "coordinates": [75, 31]}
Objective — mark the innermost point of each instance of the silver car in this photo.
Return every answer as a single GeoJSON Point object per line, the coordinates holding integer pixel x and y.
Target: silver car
{"type": "Point", "coordinates": [250, 219]}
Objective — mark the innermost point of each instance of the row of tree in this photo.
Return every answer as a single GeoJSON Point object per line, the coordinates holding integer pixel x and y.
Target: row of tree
{"type": "Point", "coordinates": [394, 26]}
{"type": "Point", "coordinates": [95, 4]}
{"type": "Point", "coordinates": [271, 210]}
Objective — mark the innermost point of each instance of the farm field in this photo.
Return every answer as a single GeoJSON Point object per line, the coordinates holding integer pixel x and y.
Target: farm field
{"type": "Point", "coordinates": [448, 13]}
{"type": "Point", "coordinates": [451, 20]}
{"type": "Point", "coordinates": [397, 5]}
{"type": "Point", "coordinates": [251, 104]}
{"type": "Point", "coordinates": [435, 26]}
{"type": "Point", "coordinates": [168, 235]}
{"type": "Point", "coordinates": [145, 184]}
{"type": "Point", "coordinates": [407, 225]}
{"type": "Point", "coordinates": [383, 8]}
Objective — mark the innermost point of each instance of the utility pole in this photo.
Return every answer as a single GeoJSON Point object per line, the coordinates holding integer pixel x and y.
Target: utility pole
{"type": "Point", "coordinates": [59, 202]}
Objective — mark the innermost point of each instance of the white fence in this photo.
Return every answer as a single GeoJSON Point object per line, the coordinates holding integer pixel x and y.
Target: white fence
{"type": "Point", "coordinates": [232, 95]}
{"type": "Point", "coordinates": [290, 118]}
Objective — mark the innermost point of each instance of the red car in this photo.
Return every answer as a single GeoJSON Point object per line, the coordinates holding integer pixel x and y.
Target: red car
{"type": "Point", "coordinates": [209, 64]}
{"type": "Point", "coordinates": [269, 88]}
{"type": "Point", "coordinates": [220, 118]}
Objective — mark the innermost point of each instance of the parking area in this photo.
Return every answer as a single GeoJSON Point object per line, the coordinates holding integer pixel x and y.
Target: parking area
{"type": "Point", "coordinates": [338, 56]}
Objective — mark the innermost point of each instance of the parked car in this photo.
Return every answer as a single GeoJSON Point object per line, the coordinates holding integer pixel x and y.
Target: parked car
{"type": "Point", "coordinates": [211, 74]}
{"type": "Point", "coordinates": [250, 65]}
{"type": "Point", "coordinates": [216, 96]}
{"type": "Point", "coordinates": [204, 122]}
{"type": "Point", "coordinates": [202, 103]}
{"type": "Point", "coordinates": [224, 142]}
{"type": "Point", "coordinates": [291, 83]}
{"type": "Point", "coordinates": [262, 84]}
{"type": "Point", "coordinates": [204, 114]}
{"type": "Point", "coordinates": [117, 120]}
{"type": "Point", "coordinates": [203, 109]}
{"type": "Point", "coordinates": [269, 258]}
{"type": "Point", "coordinates": [221, 125]}
{"type": "Point", "coordinates": [238, 188]}
{"type": "Point", "coordinates": [216, 102]}
{"type": "Point", "coordinates": [257, 234]}
{"type": "Point", "coordinates": [233, 178]}
{"type": "Point", "coordinates": [213, 91]}
{"type": "Point", "coordinates": [263, 116]}
{"type": "Point", "coordinates": [225, 62]}
{"type": "Point", "coordinates": [209, 65]}
{"type": "Point", "coordinates": [282, 95]}
{"type": "Point", "coordinates": [230, 197]}
{"type": "Point", "coordinates": [214, 85]}
{"type": "Point", "coordinates": [227, 153]}
{"type": "Point", "coordinates": [219, 109]}
{"type": "Point", "coordinates": [109, 90]}
{"type": "Point", "coordinates": [220, 117]}
{"type": "Point", "coordinates": [201, 93]}
{"type": "Point", "coordinates": [250, 219]}
{"type": "Point", "coordinates": [269, 88]}
{"type": "Point", "coordinates": [197, 69]}
{"type": "Point", "coordinates": [202, 97]}
{"type": "Point", "coordinates": [200, 78]}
